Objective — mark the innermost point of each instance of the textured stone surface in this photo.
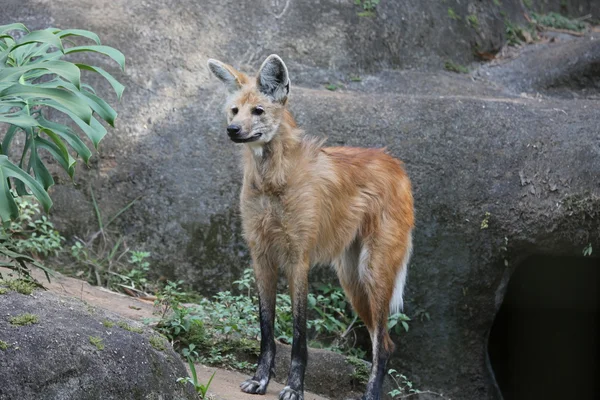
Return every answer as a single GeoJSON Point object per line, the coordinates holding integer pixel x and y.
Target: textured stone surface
{"type": "Point", "coordinates": [55, 360]}
{"type": "Point", "coordinates": [472, 145]}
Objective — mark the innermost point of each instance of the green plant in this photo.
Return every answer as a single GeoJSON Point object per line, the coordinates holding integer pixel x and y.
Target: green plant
{"type": "Point", "coordinates": [96, 341]}
{"type": "Point", "coordinates": [485, 223]}
{"type": "Point", "coordinates": [23, 286]}
{"type": "Point", "coordinates": [35, 77]}
{"type": "Point", "coordinates": [452, 14]}
{"type": "Point", "coordinates": [473, 21]}
{"type": "Point", "coordinates": [497, 3]}
{"type": "Point", "coordinates": [557, 21]}
{"type": "Point", "coordinates": [587, 251]}
{"type": "Point", "coordinates": [103, 256]}
{"type": "Point", "coordinates": [516, 35]}
{"type": "Point", "coordinates": [157, 342]}
{"type": "Point", "coordinates": [31, 233]}
{"type": "Point", "coordinates": [27, 236]}
{"type": "Point", "coordinates": [528, 4]}
{"type": "Point", "coordinates": [331, 86]}
{"type": "Point", "coordinates": [368, 7]}
{"type": "Point", "coordinates": [3, 290]}
{"type": "Point", "coordinates": [397, 320]}
{"type": "Point", "coordinates": [454, 67]}
{"type": "Point", "coordinates": [404, 388]}
{"type": "Point", "coordinates": [361, 372]}
{"type": "Point", "coordinates": [24, 319]}
{"type": "Point", "coordinates": [107, 323]}
{"type": "Point", "coordinates": [200, 389]}
{"type": "Point", "coordinates": [4, 345]}
{"type": "Point", "coordinates": [129, 328]}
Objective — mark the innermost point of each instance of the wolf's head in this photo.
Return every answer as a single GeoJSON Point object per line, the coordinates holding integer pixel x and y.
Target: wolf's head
{"type": "Point", "coordinates": [255, 107]}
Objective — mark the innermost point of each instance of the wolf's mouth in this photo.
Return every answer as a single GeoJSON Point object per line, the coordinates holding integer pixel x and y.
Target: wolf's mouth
{"type": "Point", "coordinates": [249, 139]}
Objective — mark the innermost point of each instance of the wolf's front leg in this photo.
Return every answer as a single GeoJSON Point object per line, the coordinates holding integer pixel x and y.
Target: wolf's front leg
{"type": "Point", "coordinates": [266, 280]}
{"type": "Point", "coordinates": [298, 281]}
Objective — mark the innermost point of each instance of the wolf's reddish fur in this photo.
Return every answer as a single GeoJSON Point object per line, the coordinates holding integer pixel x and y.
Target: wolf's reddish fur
{"type": "Point", "coordinates": [304, 204]}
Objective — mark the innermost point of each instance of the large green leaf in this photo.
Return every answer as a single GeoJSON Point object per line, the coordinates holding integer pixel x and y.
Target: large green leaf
{"type": "Point", "coordinates": [42, 175]}
{"type": "Point", "coordinates": [68, 135]}
{"type": "Point", "coordinates": [106, 50]}
{"type": "Point", "coordinates": [8, 208]}
{"type": "Point", "coordinates": [63, 97]}
{"type": "Point", "coordinates": [95, 131]}
{"type": "Point", "coordinates": [64, 158]}
{"type": "Point", "coordinates": [65, 69]}
{"type": "Point", "coordinates": [42, 36]}
{"type": "Point", "coordinates": [116, 85]}
{"type": "Point", "coordinates": [21, 120]}
{"type": "Point", "coordinates": [101, 107]}
{"type": "Point", "coordinates": [79, 32]}
{"type": "Point", "coordinates": [13, 27]}
{"type": "Point", "coordinates": [8, 137]}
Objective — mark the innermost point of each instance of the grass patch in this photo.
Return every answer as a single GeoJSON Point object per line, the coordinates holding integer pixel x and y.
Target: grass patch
{"type": "Point", "coordinates": [331, 87]}
{"type": "Point", "coordinates": [24, 319]}
{"type": "Point", "coordinates": [157, 342]}
{"type": "Point", "coordinates": [18, 285]}
{"type": "Point", "coordinates": [3, 290]}
{"type": "Point", "coordinates": [452, 14]}
{"type": "Point", "coordinates": [96, 341]}
{"type": "Point", "coordinates": [473, 21]}
{"type": "Point", "coordinates": [127, 327]}
{"type": "Point", "coordinates": [4, 345]}
{"type": "Point", "coordinates": [108, 324]}
{"type": "Point", "coordinates": [558, 21]}
{"type": "Point", "coordinates": [454, 67]}
{"type": "Point", "coordinates": [361, 372]}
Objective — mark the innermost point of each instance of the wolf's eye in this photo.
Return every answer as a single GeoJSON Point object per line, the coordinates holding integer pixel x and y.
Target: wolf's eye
{"type": "Point", "coordinates": [258, 110]}
{"type": "Point", "coordinates": [234, 110]}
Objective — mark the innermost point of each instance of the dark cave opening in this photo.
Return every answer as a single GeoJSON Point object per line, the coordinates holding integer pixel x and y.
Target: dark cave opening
{"type": "Point", "coordinates": [545, 340]}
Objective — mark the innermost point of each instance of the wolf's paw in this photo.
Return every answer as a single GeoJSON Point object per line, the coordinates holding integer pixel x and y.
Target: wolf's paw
{"type": "Point", "coordinates": [254, 387]}
{"type": "Point", "coordinates": [290, 394]}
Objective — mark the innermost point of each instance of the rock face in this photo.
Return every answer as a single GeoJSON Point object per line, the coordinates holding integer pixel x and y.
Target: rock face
{"type": "Point", "coordinates": [71, 353]}
{"type": "Point", "coordinates": [498, 175]}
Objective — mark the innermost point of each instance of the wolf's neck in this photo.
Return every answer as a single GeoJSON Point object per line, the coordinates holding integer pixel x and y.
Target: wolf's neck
{"type": "Point", "coordinates": [267, 168]}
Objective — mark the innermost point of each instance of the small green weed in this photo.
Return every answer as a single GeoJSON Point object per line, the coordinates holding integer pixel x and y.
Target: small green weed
{"type": "Point", "coordinates": [4, 345]}
{"type": "Point", "coordinates": [23, 286]}
{"type": "Point", "coordinates": [3, 290]}
{"type": "Point", "coordinates": [157, 342]}
{"type": "Point", "coordinates": [24, 319]}
{"type": "Point", "coordinates": [454, 67]}
{"type": "Point", "coordinates": [107, 323]}
{"type": "Point", "coordinates": [587, 251]}
{"type": "Point", "coordinates": [127, 327]}
{"type": "Point", "coordinates": [452, 14]}
{"type": "Point", "coordinates": [361, 371]}
{"type": "Point", "coordinates": [473, 21]}
{"type": "Point", "coordinates": [497, 3]}
{"type": "Point", "coordinates": [200, 389]}
{"type": "Point", "coordinates": [528, 4]}
{"type": "Point", "coordinates": [404, 388]}
{"type": "Point", "coordinates": [96, 341]}
{"type": "Point", "coordinates": [355, 78]}
{"type": "Point", "coordinates": [516, 35]}
{"type": "Point", "coordinates": [331, 86]}
{"type": "Point", "coordinates": [558, 21]}
{"type": "Point", "coordinates": [368, 7]}
{"type": "Point", "coordinates": [485, 223]}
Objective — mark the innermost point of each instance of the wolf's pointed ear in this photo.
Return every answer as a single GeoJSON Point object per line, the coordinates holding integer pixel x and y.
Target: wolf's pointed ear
{"type": "Point", "coordinates": [273, 80]}
{"type": "Point", "coordinates": [226, 74]}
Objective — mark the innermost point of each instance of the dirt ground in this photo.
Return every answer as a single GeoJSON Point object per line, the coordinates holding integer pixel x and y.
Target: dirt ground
{"type": "Point", "coordinates": [225, 385]}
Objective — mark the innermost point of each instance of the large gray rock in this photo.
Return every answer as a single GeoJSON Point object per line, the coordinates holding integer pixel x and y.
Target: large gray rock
{"type": "Point", "coordinates": [472, 145]}
{"type": "Point", "coordinates": [55, 359]}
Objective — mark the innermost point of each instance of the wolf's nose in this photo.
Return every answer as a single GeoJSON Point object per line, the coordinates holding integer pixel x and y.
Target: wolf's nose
{"type": "Point", "coordinates": [233, 130]}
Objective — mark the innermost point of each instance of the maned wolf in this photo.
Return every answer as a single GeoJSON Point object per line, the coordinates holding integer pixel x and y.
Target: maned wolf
{"type": "Point", "coordinates": [304, 204]}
